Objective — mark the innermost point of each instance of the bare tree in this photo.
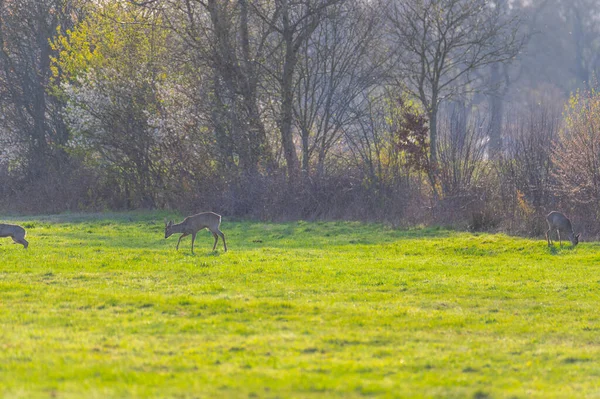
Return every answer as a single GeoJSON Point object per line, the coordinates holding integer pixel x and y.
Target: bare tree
{"type": "Point", "coordinates": [337, 67]}
{"type": "Point", "coordinates": [439, 45]}
{"type": "Point", "coordinates": [577, 151]}
{"type": "Point", "coordinates": [293, 23]}
{"type": "Point", "coordinates": [461, 154]}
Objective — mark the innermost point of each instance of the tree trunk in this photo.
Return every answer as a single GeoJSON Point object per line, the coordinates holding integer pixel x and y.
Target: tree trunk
{"type": "Point", "coordinates": [433, 137]}
{"type": "Point", "coordinates": [287, 81]}
{"type": "Point", "coordinates": [459, 120]}
{"type": "Point", "coordinates": [496, 110]}
{"type": "Point", "coordinates": [259, 150]}
{"type": "Point", "coordinates": [305, 152]}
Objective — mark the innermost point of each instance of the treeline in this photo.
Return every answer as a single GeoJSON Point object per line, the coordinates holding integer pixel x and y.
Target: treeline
{"type": "Point", "coordinates": [275, 109]}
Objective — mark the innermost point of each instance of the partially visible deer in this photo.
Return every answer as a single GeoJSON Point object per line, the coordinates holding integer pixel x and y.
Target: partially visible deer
{"type": "Point", "coordinates": [193, 224]}
{"type": "Point", "coordinates": [17, 233]}
{"type": "Point", "coordinates": [559, 222]}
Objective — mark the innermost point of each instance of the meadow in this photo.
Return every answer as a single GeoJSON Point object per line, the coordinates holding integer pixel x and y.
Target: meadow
{"type": "Point", "coordinates": [102, 306]}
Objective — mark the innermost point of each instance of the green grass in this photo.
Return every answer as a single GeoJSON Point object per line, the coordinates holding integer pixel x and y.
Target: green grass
{"type": "Point", "coordinates": [103, 306]}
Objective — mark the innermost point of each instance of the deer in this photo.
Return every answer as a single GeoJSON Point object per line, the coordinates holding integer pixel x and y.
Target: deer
{"type": "Point", "coordinates": [559, 222]}
{"type": "Point", "coordinates": [193, 224]}
{"type": "Point", "coordinates": [17, 233]}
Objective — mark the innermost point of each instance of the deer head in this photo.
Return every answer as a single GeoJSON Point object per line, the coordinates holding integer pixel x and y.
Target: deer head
{"type": "Point", "coordinates": [168, 230]}
{"type": "Point", "coordinates": [574, 238]}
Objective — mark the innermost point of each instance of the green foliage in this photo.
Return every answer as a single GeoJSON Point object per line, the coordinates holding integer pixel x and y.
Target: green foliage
{"type": "Point", "coordinates": [103, 306]}
{"type": "Point", "coordinates": [115, 38]}
{"type": "Point", "coordinates": [399, 143]}
{"type": "Point", "coordinates": [111, 72]}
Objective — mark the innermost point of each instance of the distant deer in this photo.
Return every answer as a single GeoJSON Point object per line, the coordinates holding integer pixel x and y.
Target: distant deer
{"type": "Point", "coordinates": [193, 224]}
{"type": "Point", "coordinates": [559, 222]}
{"type": "Point", "coordinates": [17, 233]}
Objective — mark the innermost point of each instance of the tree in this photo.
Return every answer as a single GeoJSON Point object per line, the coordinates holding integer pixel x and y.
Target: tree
{"type": "Point", "coordinates": [31, 116]}
{"type": "Point", "coordinates": [440, 44]}
{"type": "Point", "coordinates": [337, 66]}
{"type": "Point", "coordinates": [576, 155]}
{"type": "Point", "coordinates": [293, 23]}
{"type": "Point", "coordinates": [563, 45]}
{"type": "Point", "coordinates": [113, 65]}
{"type": "Point", "coordinates": [389, 139]}
{"type": "Point", "coordinates": [224, 44]}
{"type": "Point", "coordinates": [582, 16]}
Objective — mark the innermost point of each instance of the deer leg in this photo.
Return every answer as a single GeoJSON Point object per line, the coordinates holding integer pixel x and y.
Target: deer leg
{"type": "Point", "coordinates": [223, 238]}
{"type": "Point", "coordinates": [22, 241]}
{"type": "Point", "coordinates": [183, 235]}
{"type": "Point", "coordinates": [193, 239]}
{"type": "Point", "coordinates": [216, 240]}
{"type": "Point", "coordinates": [548, 237]}
{"type": "Point", "coordinates": [559, 241]}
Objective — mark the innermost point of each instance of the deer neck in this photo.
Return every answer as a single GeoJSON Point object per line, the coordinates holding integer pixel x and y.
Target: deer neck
{"type": "Point", "coordinates": [178, 228]}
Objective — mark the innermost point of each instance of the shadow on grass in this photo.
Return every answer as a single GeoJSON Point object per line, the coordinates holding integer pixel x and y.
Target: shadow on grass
{"type": "Point", "coordinates": [555, 250]}
{"type": "Point", "coordinates": [199, 252]}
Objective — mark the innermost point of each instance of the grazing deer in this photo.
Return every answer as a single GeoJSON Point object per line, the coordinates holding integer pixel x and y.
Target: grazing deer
{"type": "Point", "coordinates": [17, 233]}
{"type": "Point", "coordinates": [192, 224]}
{"type": "Point", "coordinates": [557, 221]}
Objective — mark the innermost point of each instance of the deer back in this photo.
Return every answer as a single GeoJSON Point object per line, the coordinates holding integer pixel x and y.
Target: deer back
{"type": "Point", "coordinates": [11, 230]}
{"type": "Point", "coordinates": [209, 220]}
{"type": "Point", "coordinates": [557, 220]}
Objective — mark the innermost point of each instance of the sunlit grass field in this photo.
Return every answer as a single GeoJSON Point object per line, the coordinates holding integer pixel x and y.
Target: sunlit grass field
{"type": "Point", "coordinates": [102, 306]}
